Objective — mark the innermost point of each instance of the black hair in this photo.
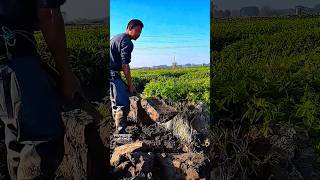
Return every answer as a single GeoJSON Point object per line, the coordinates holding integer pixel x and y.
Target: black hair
{"type": "Point", "coordinates": [133, 23]}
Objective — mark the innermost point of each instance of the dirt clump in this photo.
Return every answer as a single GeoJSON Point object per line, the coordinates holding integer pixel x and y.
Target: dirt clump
{"type": "Point", "coordinates": [86, 148]}
{"type": "Point", "coordinates": [159, 149]}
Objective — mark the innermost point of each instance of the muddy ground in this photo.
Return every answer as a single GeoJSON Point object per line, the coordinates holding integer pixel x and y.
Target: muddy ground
{"type": "Point", "coordinates": [159, 148]}
{"type": "Point", "coordinates": [87, 151]}
{"type": "Point", "coordinates": [157, 137]}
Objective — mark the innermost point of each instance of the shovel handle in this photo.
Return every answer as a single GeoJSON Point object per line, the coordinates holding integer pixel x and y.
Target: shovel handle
{"type": "Point", "coordinates": [78, 97]}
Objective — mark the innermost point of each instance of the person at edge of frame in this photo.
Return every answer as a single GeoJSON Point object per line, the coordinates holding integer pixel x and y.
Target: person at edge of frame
{"type": "Point", "coordinates": [29, 105]}
{"type": "Point", "coordinates": [121, 48]}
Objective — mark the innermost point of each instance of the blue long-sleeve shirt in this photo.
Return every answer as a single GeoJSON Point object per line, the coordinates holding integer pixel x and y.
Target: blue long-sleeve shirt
{"type": "Point", "coordinates": [121, 48]}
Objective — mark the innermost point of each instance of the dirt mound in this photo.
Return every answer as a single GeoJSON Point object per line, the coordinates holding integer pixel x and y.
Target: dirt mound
{"type": "Point", "coordinates": [3, 160]}
{"type": "Point", "coordinates": [86, 148]}
{"type": "Point", "coordinates": [158, 141]}
{"type": "Point", "coordinates": [158, 129]}
{"type": "Point", "coordinates": [297, 159]}
{"type": "Point", "coordinates": [143, 164]}
{"type": "Point", "coordinates": [178, 128]}
{"type": "Point", "coordinates": [3, 155]}
{"type": "Point", "coordinates": [238, 153]}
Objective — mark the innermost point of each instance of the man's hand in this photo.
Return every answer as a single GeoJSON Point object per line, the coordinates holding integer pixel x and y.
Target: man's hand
{"type": "Point", "coordinates": [70, 85]}
{"type": "Point", "coordinates": [127, 74]}
{"type": "Point", "coordinates": [131, 89]}
{"type": "Point", "coordinates": [52, 27]}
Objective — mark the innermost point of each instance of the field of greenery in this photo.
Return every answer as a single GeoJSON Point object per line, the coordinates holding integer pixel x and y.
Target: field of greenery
{"type": "Point", "coordinates": [88, 50]}
{"type": "Point", "coordinates": [266, 72]}
{"type": "Point", "coordinates": [88, 53]}
{"type": "Point", "coordinates": [190, 84]}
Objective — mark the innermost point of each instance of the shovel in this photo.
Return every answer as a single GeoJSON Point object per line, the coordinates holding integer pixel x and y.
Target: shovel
{"type": "Point", "coordinates": [79, 99]}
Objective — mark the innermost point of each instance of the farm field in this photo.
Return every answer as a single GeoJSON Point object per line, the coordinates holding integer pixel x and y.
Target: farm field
{"type": "Point", "coordinates": [190, 84]}
{"type": "Point", "coordinates": [265, 95]}
{"type": "Point", "coordinates": [88, 49]}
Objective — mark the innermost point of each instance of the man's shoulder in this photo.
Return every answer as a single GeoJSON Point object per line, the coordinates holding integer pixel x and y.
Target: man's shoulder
{"type": "Point", "coordinates": [118, 36]}
{"type": "Point", "coordinates": [121, 37]}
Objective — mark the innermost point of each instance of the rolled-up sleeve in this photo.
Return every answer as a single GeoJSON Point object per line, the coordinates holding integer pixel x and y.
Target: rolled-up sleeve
{"type": "Point", "coordinates": [50, 3]}
{"type": "Point", "coordinates": [126, 49]}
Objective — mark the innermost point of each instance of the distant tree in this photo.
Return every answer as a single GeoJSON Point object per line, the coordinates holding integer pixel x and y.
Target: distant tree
{"type": "Point", "coordinates": [235, 13]}
{"type": "Point", "coordinates": [266, 11]}
{"type": "Point", "coordinates": [215, 13]}
{"type": "Point", "coordinates": [317, 7]}
{"type": "Point", "coordinates": [64, 15]}
{"type": "Point", "coordinates": [221, 13]}
{"type": "Point", "coordinates": [249, 11]}
{"type": "Point", "coordinates": [227, 13]}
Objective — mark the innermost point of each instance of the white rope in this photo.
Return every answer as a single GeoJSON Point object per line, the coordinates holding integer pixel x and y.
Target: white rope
{"type": "Point", "coordinates": [10, 40]}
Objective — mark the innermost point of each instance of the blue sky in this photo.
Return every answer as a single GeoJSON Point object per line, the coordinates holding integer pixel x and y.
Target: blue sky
{"type": "Point", "coordinates": [173, 29]}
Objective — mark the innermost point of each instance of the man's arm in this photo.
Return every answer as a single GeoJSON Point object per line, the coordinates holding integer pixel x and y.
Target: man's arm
{"type": "Point", "coordinates": [52, 27]}
{"type": "Point", "coordinates": [126, 49]}
{"type": "Point", "coordinates": [127, 74]}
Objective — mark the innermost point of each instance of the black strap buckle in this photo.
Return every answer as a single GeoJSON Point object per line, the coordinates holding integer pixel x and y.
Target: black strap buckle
{"type": "Point", "coordinates": [3, 59]}
{"type": "Point", "coordinates": [115, 73]}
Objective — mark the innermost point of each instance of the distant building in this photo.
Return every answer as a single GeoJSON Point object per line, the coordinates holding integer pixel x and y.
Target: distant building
{"type": "Point", "coordinates": [302, 10]}
{"type": "Point", "coordinates": [299, 10]}
{"type": "Point", "coordinates": [235, 13]}
{"type": "Point", "coordinates": [266, 11]}
{"type": "Point", "coordinates": [163, 66]}
{"type": "Point", "coordinates": [170, 67]}
{"type": "Point", "coordinates": [284, 12]}
{"type": "Point", "coordinates": [174, 65]}
{"type": "Point", "coordinates": [64, 16]}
